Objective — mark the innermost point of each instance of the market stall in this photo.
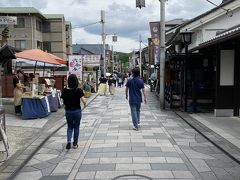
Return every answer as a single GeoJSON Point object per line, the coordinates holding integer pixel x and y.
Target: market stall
{"type": "Point", "coordinates": [40, 97]}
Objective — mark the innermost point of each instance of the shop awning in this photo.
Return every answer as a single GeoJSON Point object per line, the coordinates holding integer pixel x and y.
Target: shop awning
{"type": "Point", "coordinates": [37, 55]}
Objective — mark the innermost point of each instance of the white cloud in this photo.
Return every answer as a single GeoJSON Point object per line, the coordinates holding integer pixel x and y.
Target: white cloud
{"type": "Point", "coordinates": [122, 17]}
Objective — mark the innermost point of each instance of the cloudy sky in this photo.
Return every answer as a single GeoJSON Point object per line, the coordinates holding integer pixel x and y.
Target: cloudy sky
{"type": "Point", "coordinates": [122, 17]}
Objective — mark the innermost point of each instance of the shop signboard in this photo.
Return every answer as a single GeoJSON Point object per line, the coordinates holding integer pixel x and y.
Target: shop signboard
{"type": "Point", "coordinates": [91, 60]}
{"type": "Point", "coordinates": [75, 65]}
{"type": "Point", "coordinates": [8, 20]}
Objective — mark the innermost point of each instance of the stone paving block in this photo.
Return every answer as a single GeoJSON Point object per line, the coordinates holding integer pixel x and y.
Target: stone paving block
{"type": "Point", "coordinates": [163, 154]}
{"type": "Point", "coordinates": [149, 160]}
{"type": "Point", "coordinates": [146, 149]}
{"type": "Point", "coordinates": [174, 160]}
{"type": "Point", "coordinates": [47, 171]}
{"type": "Point", "coordinates": [98, 155]}
{"type": "Point", "coordinates": [85, 175]}
{"type": "Point", "coordinates": [167, 166]}
{"type": "Point", "coordinates": [95, 150]}
{"type": "Point", "coordinates": [196, 155]}
{"type": "Point", "coordinates": [183, 174]}
{"type": "Point", "coordinates": [115, 160]}
{"type": "Point", "coordinates": [45, 157]}
{"type": "Point", "coordinates": [42, 165]}
{"type": "Point", "coordinates": [167, 149]}
{"type": "Point", "coordinates": [156, 174]}
{"type": "Point", "coordinates": [132, 167]}
{"type": "Point", "coordinates": [111, 174]}
{"type": "Point", "coordinates": [91, 161]}
{"type": "Point", "coordinates": [97, 167]}
{"type": "Point", "coordinates": [117, 149]}
{"type": "Point", "coordinates": [219, 164]}
{"type": "Point", "coordinates": [130, 144]}
{"type": "Point", "coordinates": [30, 175]}
{"type": "Point", "coordinates": [200, 165]}
{"type": "Point", "coordinates": [222, 174]}
{"type": "Point", "coordinates": [63, 168]}
{"type": "Point", "coordinates": [132, 154]}
{"type": "Point", "coordinates": [208, 175]}
{"type": "Point", "coordinates": [103, 145]}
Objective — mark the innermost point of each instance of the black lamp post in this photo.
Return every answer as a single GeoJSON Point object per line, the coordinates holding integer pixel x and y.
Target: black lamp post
{"type": "Point", "coordinates": [186, 39]}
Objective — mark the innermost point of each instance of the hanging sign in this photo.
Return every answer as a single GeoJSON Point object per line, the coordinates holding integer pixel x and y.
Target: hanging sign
{"type": "Point", "coordinates": [75, 65]}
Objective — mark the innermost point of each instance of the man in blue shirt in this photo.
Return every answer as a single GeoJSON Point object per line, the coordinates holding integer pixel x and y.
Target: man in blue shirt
{"type": "Point", "coordinates": [134, 86]}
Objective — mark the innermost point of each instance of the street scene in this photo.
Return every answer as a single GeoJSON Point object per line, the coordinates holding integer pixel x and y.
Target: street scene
{"type": "Point", "coordinates": [142, 89]}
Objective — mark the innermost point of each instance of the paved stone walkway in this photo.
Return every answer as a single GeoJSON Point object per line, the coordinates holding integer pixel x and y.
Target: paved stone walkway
{"type": "Point", "coordinates": [164, 148]}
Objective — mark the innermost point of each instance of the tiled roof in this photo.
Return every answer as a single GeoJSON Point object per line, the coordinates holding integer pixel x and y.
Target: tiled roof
{"type": "Point", "coordinates": [20, 10]}
{"type": "Point", "coordinates": [54, 16]}
{"type": "Point", "coordinates": [87, 49]}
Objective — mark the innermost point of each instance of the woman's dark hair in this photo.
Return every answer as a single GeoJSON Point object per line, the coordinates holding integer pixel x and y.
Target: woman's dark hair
{"type": "Point", "coordinates": [136, 72]}
{"type": "Point", "coordinates": [72, 81]}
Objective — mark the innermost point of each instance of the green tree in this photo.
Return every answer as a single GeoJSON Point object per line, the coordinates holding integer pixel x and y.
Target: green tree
{"type": "Point", "coordinates": [123, 59]}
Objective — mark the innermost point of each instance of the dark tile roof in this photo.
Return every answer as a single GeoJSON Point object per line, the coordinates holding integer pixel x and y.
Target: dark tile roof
{"type": "Point", "coordinates": [87, 49]}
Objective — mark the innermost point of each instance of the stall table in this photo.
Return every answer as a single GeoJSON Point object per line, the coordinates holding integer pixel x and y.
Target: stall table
{"type": "Point", "coordinates": [33, 108]}
{"type": "Point", "coordinates": [53, 102]}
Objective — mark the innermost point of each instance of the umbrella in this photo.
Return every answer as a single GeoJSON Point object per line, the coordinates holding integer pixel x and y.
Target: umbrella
{"type": "Point", "coordinates": [108, 74]}
{"type": "Point", "coordinates": [60, 60]}
{"type": "Point", "coordinates": [38, 56]}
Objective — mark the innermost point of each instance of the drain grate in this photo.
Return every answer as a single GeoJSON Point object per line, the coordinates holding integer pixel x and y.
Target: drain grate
{"type": "Point", "coordinates": [132, 177]}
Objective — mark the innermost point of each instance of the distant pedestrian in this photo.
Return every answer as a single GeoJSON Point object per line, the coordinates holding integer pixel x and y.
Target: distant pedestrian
{"type": "Point", "coordinates": [133, 89]}
{"type": "Point", "coordinates": [18, 91]}
{"type": "Point", "coordinates": [111, 84]}
{"type": "Point", "coordinates": [72, 96]}
{"type": "Point", "coordinates": [102, 88]}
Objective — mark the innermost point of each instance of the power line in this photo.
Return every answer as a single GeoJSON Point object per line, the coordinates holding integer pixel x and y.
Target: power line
{"type": "Point", "coordinates": [228, 11]}
{"type": "Point", "coordinates": [86, 25]}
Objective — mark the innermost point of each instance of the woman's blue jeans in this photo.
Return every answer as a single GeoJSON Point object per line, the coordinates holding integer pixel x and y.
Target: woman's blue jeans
{"type": "Point", "coordinates": [135, 113]}
{"type": "Point", "coordinates": [73, 122]}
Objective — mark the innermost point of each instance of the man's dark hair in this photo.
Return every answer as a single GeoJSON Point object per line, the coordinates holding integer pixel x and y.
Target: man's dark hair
{"type": "Point", "coordinates": [72, 81]}
{"type": "Point", "coordinates": [136, 72]}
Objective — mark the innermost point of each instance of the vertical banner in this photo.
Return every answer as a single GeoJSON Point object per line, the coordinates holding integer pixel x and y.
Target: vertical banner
{"type": "Point", "coordinates": [75, 65]}
{"type": "Point", "coordinates": [155, 33]}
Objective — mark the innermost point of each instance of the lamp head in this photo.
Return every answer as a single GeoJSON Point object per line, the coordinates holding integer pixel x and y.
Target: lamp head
{"type": "Point", "coordinates": [186, 37]}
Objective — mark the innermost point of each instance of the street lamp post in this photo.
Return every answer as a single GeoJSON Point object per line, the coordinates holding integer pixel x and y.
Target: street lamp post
{"type": "Point", "coordinates": [162, 53]}
{"type": "Point", "coordinates": [140, 55]}
{"type": "Point", "coordinates": [186, 39]}
{"type": "Point", "coordinates": [103, 40]}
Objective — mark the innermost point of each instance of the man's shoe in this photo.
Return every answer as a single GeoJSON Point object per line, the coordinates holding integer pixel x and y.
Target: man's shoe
{"type": "Point", "coordinates": [139, 125]}
{"type": "Point", "coordinates": [68, 146]}
{"type": "Point", "coordinates": [135, 128]}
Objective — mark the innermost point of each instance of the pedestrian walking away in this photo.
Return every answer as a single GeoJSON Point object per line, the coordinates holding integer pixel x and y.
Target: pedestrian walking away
{"type": "Point", "coordinates": [102, 86]}
{"type": "Point", "coordinates": [72, 96]}
{"type": "Point", "coordinates": [134, 86]}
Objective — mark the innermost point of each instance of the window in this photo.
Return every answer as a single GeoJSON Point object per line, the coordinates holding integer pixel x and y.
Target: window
{"type": "Point", "coordinates": [46, 27]}
{"type": "Point", "coordinates": [20, 44]}
{"type": "Point", "coordinates": [39, 25]}
{"type": "Point", "coordinates": [47, 46]}
{"type": "Point", "coordinates": [20, 23]}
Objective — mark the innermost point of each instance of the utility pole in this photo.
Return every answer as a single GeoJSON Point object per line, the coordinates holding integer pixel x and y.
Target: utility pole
{"type": "Point", "coordinates": [162, 53]}
{"type": "Point", "coordinates": [140, 55]}
{"type": "Point", "coordinates": [103, 40]}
